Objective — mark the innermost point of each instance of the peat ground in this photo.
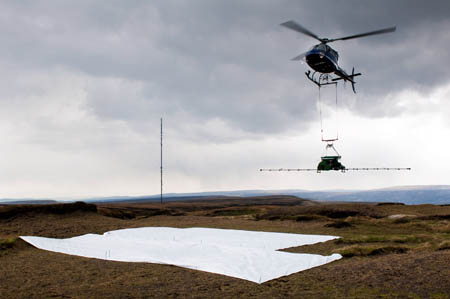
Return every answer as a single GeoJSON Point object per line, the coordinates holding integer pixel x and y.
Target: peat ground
{"type": "Point", "coordinates": [390, 250]}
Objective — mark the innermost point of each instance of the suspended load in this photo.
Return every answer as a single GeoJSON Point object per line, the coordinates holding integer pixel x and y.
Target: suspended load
{"type": "Point", "coordinates": [330, 162]}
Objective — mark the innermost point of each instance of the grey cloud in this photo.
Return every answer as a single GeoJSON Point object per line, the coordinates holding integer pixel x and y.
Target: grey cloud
{"type": "Point", "coordinates": [202, 60]}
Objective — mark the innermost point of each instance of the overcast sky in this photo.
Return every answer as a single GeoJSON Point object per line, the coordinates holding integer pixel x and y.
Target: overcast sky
{"type": "Point", "coordinates": [84, 84]}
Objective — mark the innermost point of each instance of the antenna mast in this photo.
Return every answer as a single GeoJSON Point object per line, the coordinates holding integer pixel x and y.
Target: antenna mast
{"type": "Point", "coordinates": [161, 160]}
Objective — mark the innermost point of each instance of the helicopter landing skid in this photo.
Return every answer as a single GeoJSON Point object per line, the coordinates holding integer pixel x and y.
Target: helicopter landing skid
{"type": "Point", "coordinates": [322, 79]}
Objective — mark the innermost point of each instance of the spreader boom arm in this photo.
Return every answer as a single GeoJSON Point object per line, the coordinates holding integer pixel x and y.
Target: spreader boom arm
{"type": "Point", "coordinates": [343, 170]}
{"type": "Point", "coordinates": [288, 169]}
{"type": "Point", "coordinates": [379, 168]}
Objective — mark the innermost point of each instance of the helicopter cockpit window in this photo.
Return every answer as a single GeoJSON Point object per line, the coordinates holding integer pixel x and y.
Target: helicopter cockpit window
{"type": "Point", "coordinates": [333, 52]}
{"type": "Point", "coordinates": [321, 47]}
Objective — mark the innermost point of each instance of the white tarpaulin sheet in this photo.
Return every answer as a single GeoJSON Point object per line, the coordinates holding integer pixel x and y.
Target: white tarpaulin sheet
{"type": "Point", "coordinates": [243, 254]}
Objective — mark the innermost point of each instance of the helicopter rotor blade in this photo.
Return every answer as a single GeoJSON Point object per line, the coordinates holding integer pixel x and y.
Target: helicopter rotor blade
{"type": "Point", "coordinates": [299, 28]}
{"type": "Point", "coordinates": [299, 57]}
{"type": "Point", "coordinates": [381, 31]}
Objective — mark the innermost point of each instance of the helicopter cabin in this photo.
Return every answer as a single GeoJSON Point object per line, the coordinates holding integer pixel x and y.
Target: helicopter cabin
{"type": "Point", "coordinates": [322, 58]}
{"type": "Point", "coordinates": [330, 163]}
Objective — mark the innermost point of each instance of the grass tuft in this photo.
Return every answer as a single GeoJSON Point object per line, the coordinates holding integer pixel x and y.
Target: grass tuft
{"type": "Point", "coordinates": [402, 220]}
{"type": "Point", "coordinates": [307, 218]}
{"type": "Point", "coordinates": [358, 250]}
{"type": "Point", "coordinates": [445, 245]}
{"type": "Point", "coordinates": [412, 239]}
{"type": "Point", "coordinates": [339, 224]}
{"type": "Point", "coordinates": [233, 212]}
{"type": "Point", "coordinates": [5, 244]}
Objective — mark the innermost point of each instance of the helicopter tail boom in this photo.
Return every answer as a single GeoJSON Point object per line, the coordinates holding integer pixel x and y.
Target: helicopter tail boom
{"type": "Point", "coordinates": [344, 76]}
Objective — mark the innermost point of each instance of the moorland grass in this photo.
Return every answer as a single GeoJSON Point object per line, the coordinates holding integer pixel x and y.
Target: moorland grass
{"type": "Point", "coordinates": [370, 250]}
{"type": "Point", "coordinates": [233, 212]}
{"type": "Point", "coordinates": [6, 244]}
{"type": "Point", "coordinates": [383, 258]}
{"type": "Point", "coordinates": [383, 239]}
{"type": "Point", "coordinates": [11, 211]}
{"type": "Point", "coordinates": [444, 245]}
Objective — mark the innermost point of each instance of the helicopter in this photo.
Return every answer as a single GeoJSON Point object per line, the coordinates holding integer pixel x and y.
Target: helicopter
{"type": "Point", "coordinates": [324, 60]}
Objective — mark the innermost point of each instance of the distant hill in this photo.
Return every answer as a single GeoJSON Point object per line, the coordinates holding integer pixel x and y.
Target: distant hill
{"type": "Point", "coordinates": [406, 194]}
{"type": "Point", "coordinates": [437, 194]}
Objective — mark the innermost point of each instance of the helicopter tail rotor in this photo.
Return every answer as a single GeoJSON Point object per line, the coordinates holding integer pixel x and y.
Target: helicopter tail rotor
{"type": "Point", "coordinates": [353, 81]}
{"type": "Point", "coordinates": [345, 77]}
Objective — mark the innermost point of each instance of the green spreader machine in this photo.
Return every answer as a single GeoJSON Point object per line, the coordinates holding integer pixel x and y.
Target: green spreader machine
{"type": "Point", "coordinates": [331, 162]}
